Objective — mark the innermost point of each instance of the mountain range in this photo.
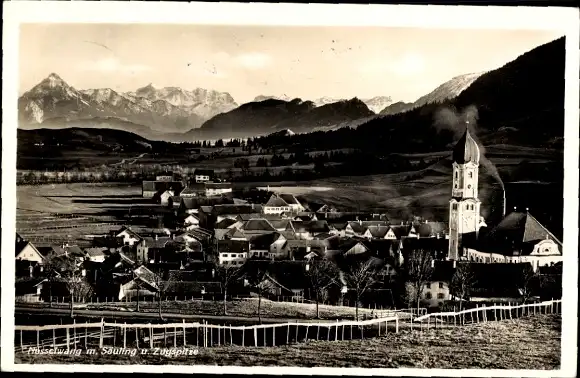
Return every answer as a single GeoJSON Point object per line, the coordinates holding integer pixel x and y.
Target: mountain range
{"type": "Point", "coordinates": [175, 114]}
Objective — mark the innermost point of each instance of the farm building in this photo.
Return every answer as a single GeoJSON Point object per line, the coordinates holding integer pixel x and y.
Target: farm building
{"type": "Point", "coordinates": [292, 201]}
{"type": "Point", "coordinates": [233, 252]}
{"type": "Point", "coordinates": [217, 188]}
{"type": "Point", "coordinates": [154, 189]}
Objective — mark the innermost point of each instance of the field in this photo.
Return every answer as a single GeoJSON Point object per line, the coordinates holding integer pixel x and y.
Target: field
{"type": "Point", "coordinates": [526, 343]}
{"type": "Point", "coordinates": [244, 308]}
{"type": "Point", "coordinates": [424, 192]}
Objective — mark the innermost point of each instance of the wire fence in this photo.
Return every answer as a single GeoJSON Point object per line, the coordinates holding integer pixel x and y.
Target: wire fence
{"type": "Point", "coordinates": [200, 334]}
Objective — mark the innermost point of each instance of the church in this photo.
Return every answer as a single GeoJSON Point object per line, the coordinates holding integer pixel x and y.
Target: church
{"type": "Point", "coordinates": [518, 238]}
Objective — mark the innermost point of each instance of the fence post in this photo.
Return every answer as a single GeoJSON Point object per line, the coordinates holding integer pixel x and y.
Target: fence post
{"type": "Point", "coordinates": [335, 331]}
{"type": "Point", "coordinates": [288, 334]}
{"type": "Point", "coordinates": [67, 339]}
{"type": "Point", "coordinates": [102, 330]}
{"type": "Point", "coordinates": [296, 332]}
{"type": "Point", "coordinates": [75, 332]}
{"type": "Point", "coordinates": [342, 331]}
{"type": "Point", "coordinates": [175, 337]}
{"type": "Point", "coordinates": [125, 335]}
{"type": "Point", "coordinates": [137, 337]}
{"type": "Point", "coordinates": [274, 335]}
{"type": "Point", "coordinates": [243, 336]}
{"type": "Point", "coordinates": [38, 339]}
{"type": "Point", "coordinates": [184, 339]}
{"type": "Point", "coordinates": [397, 324]}
{"type": "Point", "coordinates": [231, 335]}
{"type": "Point", "coordinates": [150, 336]}
{"type": "Point", "coordinates": [86, 334]}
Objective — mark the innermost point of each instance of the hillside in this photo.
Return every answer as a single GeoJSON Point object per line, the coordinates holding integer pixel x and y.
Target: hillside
{"type": "Point", "coordinates": [270, 115]}
{"type": "Point", "coordinates": [448, 90]}
{"type": "Point", "coordinates": [507, 105]}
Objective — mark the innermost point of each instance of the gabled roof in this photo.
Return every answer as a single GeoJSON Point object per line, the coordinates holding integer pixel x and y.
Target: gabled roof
{"type": "Point", "coordinates": [378, 231]}
{"type": "Point", "coordinates": [401, 230]}
{"type": "Point", "coordinates": [233, 246]}
{"type": "Point", "coordinates": [276, 201]}
{"type": "Point", "coordinates": [145, 275]}
{"type": "Point", "coordinates": [206, 209]}
{"type": "Point", "coordinates": [108, 242]}
{"type": "Point", "coordinates": [234, 233]}
{"type": "Point", "coordinates": [258, 225]}
{"type": "Point", "coordinates": [519, 227]}
{"type": "Point", "coordinates": [247, 217]}
{"type": "Point", "coordinates": [193, 188]}
{"type": "Point", "coordinates": [224, 223]}
{"type": "Point", "coordinates": [290, 199]}
{"type": "Point", "coordinates": [128, 231]}
{"type": "Point", "coordinates": [264, 241]}
{"type": "Point", "coordinates": [188, 203]}
{"type": "Point", "coordinates": [156, 243]}
{"type": "Point", "coordinates": [95, 252]}
{"type": "Point", "coordinates": [280, 224]}
{"type": "Point", "coordinates": [320, 226]}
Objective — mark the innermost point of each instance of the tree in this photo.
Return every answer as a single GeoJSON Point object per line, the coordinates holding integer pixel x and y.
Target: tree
{"type": "Point", "coordinates": [462, 282]}
{"type": "Point", "coordinates": [419, 268]}
{"type": "Point", "coordinates": [360, 276]}
{"type": "Point", "coordinates": [69, 269]}
{"type": "Point", "coordinates": [255, 272]}
{"type": "Point", "coordinates": [524, 283]}
{"type": "Point", "coordinates": [227, 274]}
{"type": "Point", "coordinates": [321, 274]}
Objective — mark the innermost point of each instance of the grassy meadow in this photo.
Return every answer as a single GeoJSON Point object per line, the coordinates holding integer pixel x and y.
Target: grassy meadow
{"type": "Point", "coordinates": [525, 343]}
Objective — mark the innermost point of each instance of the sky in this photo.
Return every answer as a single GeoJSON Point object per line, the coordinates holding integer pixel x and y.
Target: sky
{"type": "Point", "coordinates": [247, 61]}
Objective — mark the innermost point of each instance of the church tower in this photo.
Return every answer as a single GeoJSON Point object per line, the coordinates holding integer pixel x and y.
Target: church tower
{"type": "Point", "coordinates": [464, 206]}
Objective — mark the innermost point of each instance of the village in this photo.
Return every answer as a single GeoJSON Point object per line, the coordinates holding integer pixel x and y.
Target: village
{"type": "Point", "coordinates": [212, 246]}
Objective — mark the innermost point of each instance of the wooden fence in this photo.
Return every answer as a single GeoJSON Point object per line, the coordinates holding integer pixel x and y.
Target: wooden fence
{"type": "Point", "coordinates": [488, 313]}
{"type": "Point", "coordinates": [99, 335]}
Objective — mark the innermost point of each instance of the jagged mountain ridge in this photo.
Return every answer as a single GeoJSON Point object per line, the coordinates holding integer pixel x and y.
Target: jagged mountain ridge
{"type": "Point", "coordinates": [446, 91]}
{"type": "Point", "coordinates": [168, 111]}
{"type": "Point", "coordinates": [376, 104]}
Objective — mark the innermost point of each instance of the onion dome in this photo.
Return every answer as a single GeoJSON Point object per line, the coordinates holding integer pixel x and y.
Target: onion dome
{"type": "Point", "coordinates": [466, 150]}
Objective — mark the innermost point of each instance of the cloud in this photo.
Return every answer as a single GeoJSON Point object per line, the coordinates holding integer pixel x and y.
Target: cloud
{"type": "Point", "coordinates": [253, 61]}
{"type": "Point", "coordinates": [114, 65]}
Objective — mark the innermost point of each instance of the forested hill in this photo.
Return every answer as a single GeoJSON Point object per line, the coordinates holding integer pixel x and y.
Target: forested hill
{"type": "Point", "coordinates": [521, 103]}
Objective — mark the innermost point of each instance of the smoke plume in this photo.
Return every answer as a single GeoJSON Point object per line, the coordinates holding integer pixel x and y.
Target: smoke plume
{"type": "Point", "coordinates": [455, 121]}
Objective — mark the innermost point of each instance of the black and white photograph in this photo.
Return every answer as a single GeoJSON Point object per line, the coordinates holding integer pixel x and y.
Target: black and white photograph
{"type": "Point", "coordinates": [256, 192]}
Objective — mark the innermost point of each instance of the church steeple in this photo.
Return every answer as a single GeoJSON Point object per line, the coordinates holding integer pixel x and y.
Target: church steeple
{"type": "Point", "coordinates": [464, 206]}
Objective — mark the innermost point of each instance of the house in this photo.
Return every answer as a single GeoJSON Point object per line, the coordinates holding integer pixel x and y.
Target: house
{"type": "Point", "coordinates": [436, 290]}
{"type": "Point", "coordinates": [174, 202]}
{"type": "Point", "coordinates": [305, 216]}
{"type": "Point", "coordinates": [217, 188]}
{"type": "Point", "coordinates": [257, 226]}
{"type": "Point", "coordinates": [307, 230]}
{"type": "Point", "coordinates": [235, 234]}
{"type": "Point", "coordinates": [282, 225]}
{"type": "Point", "coordinates": [129, 236]}
{"type": "Point", "coordinates": [203, 175]}
{"type": "Point", "coordinates": [96, 254]}
{"type": "Point", "coordinates": [152, 249]}
{"type": "Point", "coordinates": [290, 199]}
{"type": "Point", "coordinates": [276, 205]}
{"type": "Point", "coordinates": [26, 251]}
{"type": "Point", "coordinates": [220, 212]}
{"type": "Point", "coordinates": [377, 232]}
{"type": "Point", "coordinates": [233, 252]}
{"type": "Point", "coordinates": [326, 209]}
{"type": "Point", "coordinates": [518, 238]}
{"type": "Point", "coordinates": [191, 222]}
{"type": "Point", "coordinates": [165, 196]}
{"type": "Point", "coordinates": [358, 228]}
{"type": "Point", "coordinates": [144, 283]}
{"type": "Point", "coordinates": [29, 289]}
{"type": "Point", "coordinates": [268, 246]}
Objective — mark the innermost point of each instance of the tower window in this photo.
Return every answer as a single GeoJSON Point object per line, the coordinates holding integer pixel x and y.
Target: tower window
{"type": "Point", "coordinates": [454, 206]}
{"type": "Point", "coordinates": [468, 186]}
{"type": "Point", "coordinates": [470, 174]}
{"type": "Point", "coordinates": [456, 175]}
{"type": "Point", "coordinates": [455, 186]}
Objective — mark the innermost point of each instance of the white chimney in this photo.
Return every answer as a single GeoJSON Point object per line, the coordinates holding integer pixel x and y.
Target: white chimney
{"type": "Point", "coordinates": [156, 237]}
{"type": "Point", "coordinates": [432, 263]}
{"type": "Point", "coordinates": [454, 264]}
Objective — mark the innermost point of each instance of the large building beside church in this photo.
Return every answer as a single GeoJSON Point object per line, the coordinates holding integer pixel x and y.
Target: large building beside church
{"type": "Point", "coordinates": [519, 237]}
